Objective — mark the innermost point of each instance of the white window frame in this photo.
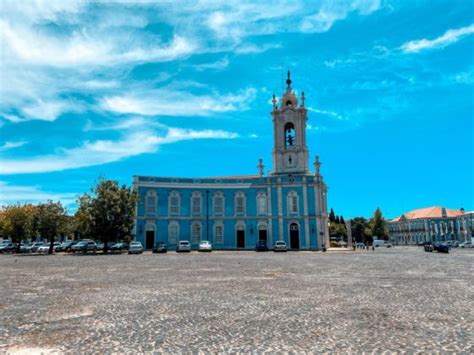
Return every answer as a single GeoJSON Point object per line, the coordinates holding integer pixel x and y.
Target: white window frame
{"type": "Point", "coordinates": [196, 209]}
{"type": "Point", "coordinates": [196, 238]}
{"type": "Point", "coordinates": [171, 238]}
{"type": "Point", "coordinates": [219, 239]}
{"type": "Point", "coordinates": [218, 195]}
{"type": "Point", "coordinates": [293, 202]}
{"type": "Point", "coordinates": [172, 195]}
{"type": "Point", "coordinates": [151, 208]}
{"type": "Point", "coordinates": [240, 195]}
{"type": "Point", "coordinates": [262, 196]}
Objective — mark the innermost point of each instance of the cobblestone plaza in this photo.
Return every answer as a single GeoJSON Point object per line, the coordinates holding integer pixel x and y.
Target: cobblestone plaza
{"type": "Point", "coordinates": [400, 299]}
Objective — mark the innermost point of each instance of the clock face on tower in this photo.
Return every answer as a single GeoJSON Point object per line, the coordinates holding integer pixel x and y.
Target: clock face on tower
{"type": "Point", "coordinates": [290, 160]}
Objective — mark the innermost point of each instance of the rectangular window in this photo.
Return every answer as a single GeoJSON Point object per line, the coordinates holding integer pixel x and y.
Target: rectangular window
{"type": "Point", "coordinates": [262, 205]}
{"type": "Point", "coordinates": [218, 206]}
{"type": "Point", "coordinates": [196, 205]}
{"type": "Point", "coordinates": [218, 234]}
{"type": "Point", "coordinates": [196, 233]}
{"type": "Point", "coordinates": [174, 205]}
{"type": "Point", "coordinates": [151, 204]}
{"type": "Point", "coordinates": [173, 234]}
{"type": "Point", "coordinates": [294, 204]}
{"type": "Point", "coordinates": [239, 205]}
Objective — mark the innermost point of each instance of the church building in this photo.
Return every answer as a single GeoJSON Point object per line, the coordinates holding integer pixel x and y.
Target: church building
{"type": "Point", "coordinates": [234, 212]}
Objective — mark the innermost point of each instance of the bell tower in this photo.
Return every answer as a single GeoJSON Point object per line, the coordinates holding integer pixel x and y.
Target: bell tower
{"type": "Point", "coordinates": [290, 153]}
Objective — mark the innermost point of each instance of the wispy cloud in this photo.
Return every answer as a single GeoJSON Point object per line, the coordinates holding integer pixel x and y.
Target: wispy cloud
{"type": "Point", "coordinates": [106, 151]}
{"type": "Point", "coordinates": [12, 194]}
{"type": "Point", "coordinates": [12, 145]}
{"type": "Point", "coordinates": [333, 11]}
{"type": "Point", "coordinates": [449, 37]}
{"type": "Point", "coordinates": [163, 102]}
{"type": "Point", "coordinates": [217, 65]}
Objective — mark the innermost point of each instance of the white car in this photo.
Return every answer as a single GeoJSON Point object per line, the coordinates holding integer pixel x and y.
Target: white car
{"type": "Point", "coordinates": [280, 245]}
{"type": "Point", "coordinates": [135, 248]}
{"type": "Point", "coordinates": [44, 249]}
{"type": "Point", "coordinates": [205, 245]}
{"type": "Point", "coordinates": [465, 245]}
{"type": "Point", "coordinates": [183, 246]}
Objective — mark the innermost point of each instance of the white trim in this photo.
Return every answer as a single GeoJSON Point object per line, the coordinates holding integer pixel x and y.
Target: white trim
{"type": "Point", "coordinates": [215, 195]}
{"type": "Point", "coordinates": [196, 195]}
{"type": "Point", "coordinates": [151, 194]}
{"type": "Point", "coordinates": [176, 194]}
{"type": "Point", "coordinates": [240, 194]}
{"type": "Point", "coordinates": [261, 195]}
{"type": "Point", "coordinates": [289, 203]}
{"type": "Point", "coordinates": [196, 223]}
{"type": "Point", "coordinates": [218, 224]}
{"type": "Point", "coordinates": [173, 224]}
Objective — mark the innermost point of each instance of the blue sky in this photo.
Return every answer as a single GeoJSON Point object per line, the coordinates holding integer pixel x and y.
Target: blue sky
{"type": "Point", "coordinates": [118, 89]}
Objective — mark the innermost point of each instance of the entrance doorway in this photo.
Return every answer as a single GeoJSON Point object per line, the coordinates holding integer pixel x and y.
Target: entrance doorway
{"type": "Point", "coordinates": [294, 236]}
{"type": "Point", "coordinates": [150, 239]}
{"type": "Point", "coordinates": [262, 234]}
{"type": "Point", "coordinates": [241, 238]}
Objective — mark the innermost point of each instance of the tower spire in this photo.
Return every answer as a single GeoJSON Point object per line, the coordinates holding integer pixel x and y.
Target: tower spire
{"type": "Point", "coordinates": [288, 81]}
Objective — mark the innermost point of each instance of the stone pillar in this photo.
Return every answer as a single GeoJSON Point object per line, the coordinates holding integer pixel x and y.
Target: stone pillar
{"type": "Point", "coordinates": [349, 233]}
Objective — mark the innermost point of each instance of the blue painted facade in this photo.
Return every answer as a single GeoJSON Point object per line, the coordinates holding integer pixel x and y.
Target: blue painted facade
{"type": "Point", "coordinates": [237, 211]}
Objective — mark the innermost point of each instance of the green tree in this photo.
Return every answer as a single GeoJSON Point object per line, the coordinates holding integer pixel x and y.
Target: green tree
{"type": "Point", "coordinates": [50, 221]}
{"type": "Point", "coordinates": [378, 225]}
{"type": "Point", "coordinates": [108, 214]}
{"type": "Point", "coordinates": [332, 216]}
{"type": "Point", "coordinates": [16, 222]}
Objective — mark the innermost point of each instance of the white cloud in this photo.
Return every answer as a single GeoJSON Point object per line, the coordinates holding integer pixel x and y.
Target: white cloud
{"type": "Point", "coordinates": [12, 145]}
{"type": "Point", "coordinates": [333, 11]}
{"type": "Point", "coordinates": [12, 194]}
{"type": "Point", "coordinates": [106, 151]}
{"type": "Point", "coordinates": [165, 102]}
{"type": "Point", "coordinates": [327, 113]}
{"type": "Point", "coordinates": [217, 65]}
{"type": "Point", "coordinates": [449, 37]}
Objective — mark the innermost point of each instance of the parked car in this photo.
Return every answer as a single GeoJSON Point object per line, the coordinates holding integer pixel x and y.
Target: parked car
{"type": "Point", "coordinates": [135, 248]}
{"type": "Point", "coordinates": [183, 246]}
{"type": "Point", "coordinates": [7, 247]}
{"type": "Point", "coordinates": [44, 249]}
{"type": "Point", "coordinates": [84, 246]}
{"type": "Point", "coordinates": [428, 247]}
{"type": "Point", "coordinates": [465, 245]}
{"type": "Point", "coordinates": [441, 247]}
{"type": "Point", "coordinates": [280, 245]}
{"type": "Point", "coordinates": [261, 245]}
{"type": "Point", "coordinates": [33, 248]}
{"type": "Point", "coordinates": [100, 246]}
{"type": "Point", "coordinates": [388, 245]}
{"type": "Point", "coordinates": [24, 247]}
{"type": "Point", "coordinates": [119, 247]}
{"type": "Point", "coordinates": [160, 247]}
{"type": "Point", "coordinates": [205, 245]}
{"type": "Point", "coordinates": [66, 246]}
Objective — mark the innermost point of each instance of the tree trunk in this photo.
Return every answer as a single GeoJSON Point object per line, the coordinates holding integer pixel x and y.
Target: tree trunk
{"type": "Point", "coordinates": [106, 241]}
{"type": "Point", "coordinates": [51, 245]}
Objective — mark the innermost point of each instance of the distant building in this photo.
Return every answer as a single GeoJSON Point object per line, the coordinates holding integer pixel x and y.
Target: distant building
{"type": "Point", "coordinates": [431, 224]}
{"type": "Point", "coordinates": [234, 212]}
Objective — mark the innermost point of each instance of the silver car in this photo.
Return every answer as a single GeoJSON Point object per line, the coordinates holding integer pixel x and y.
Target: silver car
{"type": "Point", "coordinates": [205, 245]}
{"type": "Point", "coordinates": [183, 246]}
{"type": "Point", "coordinates": [280, 245]}
{"type": "Point", "coordinates": [135, 248]}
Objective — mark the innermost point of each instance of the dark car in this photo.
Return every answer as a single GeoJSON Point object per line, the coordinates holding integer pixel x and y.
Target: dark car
{"type": "Point", "coordinates": [441, 247]}
{"type": "Point", "coordinates": [160, 247]}
{"type": "Point", "coordinates": [261, 245]}
{"type": "Point", "coordinates": [7, 248]}
{"type": "Point", "coordinates": [428, 247]}
{"type": "Point", "coordinates": [66, 246]}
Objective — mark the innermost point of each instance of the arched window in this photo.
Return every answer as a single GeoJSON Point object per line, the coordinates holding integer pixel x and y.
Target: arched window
{"type": "Point", "coordinates": [261, 203]}
{"type": "Point", "coordinates": [289, 134]}
{"type": "Point", "coordinates": [218, 203]}
{"type": "Point", "coordinates": [239, 202]}
{"type": "Point", "coordinates": [196, 232]}
{"type": "Point", "coordinates": [292, 203]}
{"type": "Point", "coordinates": [173, 232]}
{"type": "Point", "coordinates": [150, 203]}
{"type": "Point", "coordinates": [196, 203]}
{"type": "Point", "coordinates": [174, 202]}
{"type": "Point", "coordinates": [218, 233]}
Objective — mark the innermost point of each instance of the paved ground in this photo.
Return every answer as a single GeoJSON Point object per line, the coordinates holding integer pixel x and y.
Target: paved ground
{"type": "Point", "coordinates": [400, 299]}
